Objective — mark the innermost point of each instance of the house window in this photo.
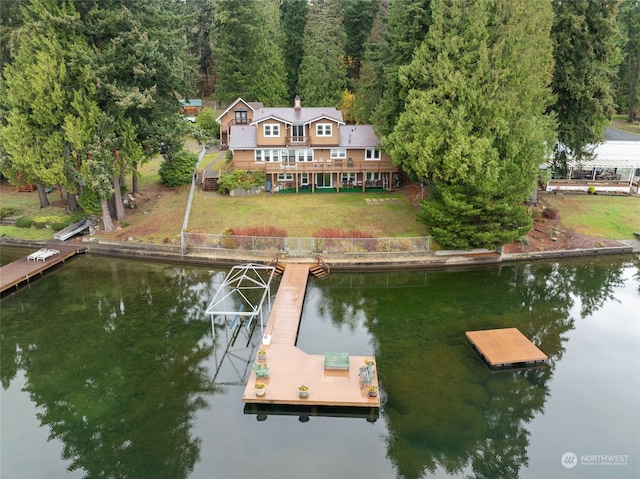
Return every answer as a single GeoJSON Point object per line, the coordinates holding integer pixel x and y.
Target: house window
{"type": "Point", "coordinates": [285, 176]}
{"type": "Point", "coordinates": [241, 117]}
{"type": "Point", "coordinates": [323, 129]}
{"type": "Point", "coordinates": [338, 153]}
{"type": "Point", "coordinates": [271, 129]}
{"type": "Point", "coordinates": [348, 178]}
{"type": "Point", "coordinates": [373, 176]}
{"type": "Point", "coordinates": [268, 155]}
{"type": "Point", "coordinates": [304, 179]}
{"type": "Point", "coordinates": [372, 154]}
{"type": "Point", "coordinates": [297, 133]}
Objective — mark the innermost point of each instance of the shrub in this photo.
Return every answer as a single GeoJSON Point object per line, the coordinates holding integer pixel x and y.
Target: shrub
{"type": "Point", "coordinates": [89, 202]}
{"type": "Point", "coordinates": [550, 213]}
{"type": "Point", "coordinates": [329, 233]}
{"type": "Point", "coordinates": [524, 240]}
{"type": "Point", "coordinates": [207, 122]}
{"type": "Point", "coordinates": [591, 190]}
{"type": "Point", "coordinates": [59, 225]}
{"type": "Point", "coordinates": [241, 178]}
{"type": "Point", "coordinates": [24, 222]}
{"type": "Point", "coordinates": [7, 211]}
{"type": "Point", "coordinates": [177, 168]}
{"type": "Point", "coordinates": [260, 231]}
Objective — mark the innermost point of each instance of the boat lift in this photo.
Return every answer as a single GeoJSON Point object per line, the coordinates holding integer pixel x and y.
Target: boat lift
{"type": "Point", "coordinates": [241, 296]}
{"type": "Point", "coordinates": [239, 300]}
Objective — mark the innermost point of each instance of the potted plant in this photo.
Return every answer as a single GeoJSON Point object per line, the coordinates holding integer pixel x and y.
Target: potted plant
{"type": "Point", "coordinates": [261, 388]}
{"type": "Point", "coordinates": [303, 390]}
{"type": "Point", "coordinates": [262, 355]}
{"type": "Point", "coordinates": [372, 390]}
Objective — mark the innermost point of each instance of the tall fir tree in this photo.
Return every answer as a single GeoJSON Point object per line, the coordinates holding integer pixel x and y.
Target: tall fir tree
{"type": "Point", "coordinates": [407, 26]}
{"type": "Point", "coordinates": [323, 74]}
{"type": "Point", "coordinates": [629, 73]}
{"type": "Point", "coordinates": [475, 123]}
{"type": "Point", "coordinates": [293, 18]}
{"type": "Point", "coordinates": [372, 82]}
{"type": "Point", "coordinates": [358, 16]}
{"type": "Point", "coordinates": [584, 35]}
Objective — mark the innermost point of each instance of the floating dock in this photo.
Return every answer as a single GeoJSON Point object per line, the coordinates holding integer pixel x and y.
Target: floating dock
{"type": "Point", "coordinates": [505, 348]}
{"type": "Point", "coordinates": [24, 270]}
{"type": "Point", "coordinates": [290, 367]}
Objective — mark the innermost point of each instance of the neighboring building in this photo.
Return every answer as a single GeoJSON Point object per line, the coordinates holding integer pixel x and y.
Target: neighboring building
{"type": "Point", "coordinates": [614, 168]}
{"type": "Point", "coordinates": [304, 148]}
{"type": "Point", "coordinates": [190, 108]}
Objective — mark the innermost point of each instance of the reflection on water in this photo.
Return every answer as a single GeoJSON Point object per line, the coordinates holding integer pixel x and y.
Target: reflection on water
{"type": "Point", "coordinates": [119, 361]}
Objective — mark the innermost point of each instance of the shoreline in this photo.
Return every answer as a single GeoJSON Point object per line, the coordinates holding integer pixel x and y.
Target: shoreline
{"type": "Point", "coordinates": [435, 260]}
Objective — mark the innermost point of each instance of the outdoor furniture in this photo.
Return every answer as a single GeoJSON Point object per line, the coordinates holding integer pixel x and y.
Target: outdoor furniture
{"type": "Point", "coordinates": [338, 361]}
{"type": "Point", "coordinates": [34, 256]}
{"type": "Point", "coordinates": [261, 370]}
{"type": "Point", "coordinates": [47, 254]}
{"type": "Point", "coordinates": [366, 375]}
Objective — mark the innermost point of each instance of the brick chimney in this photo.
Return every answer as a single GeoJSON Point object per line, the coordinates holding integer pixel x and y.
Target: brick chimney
{"type": "Point", "coordinates": [296, 103]}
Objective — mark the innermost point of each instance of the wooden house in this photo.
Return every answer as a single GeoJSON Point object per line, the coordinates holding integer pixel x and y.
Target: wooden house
{"type": "Point", "coordinates": [305, 148]}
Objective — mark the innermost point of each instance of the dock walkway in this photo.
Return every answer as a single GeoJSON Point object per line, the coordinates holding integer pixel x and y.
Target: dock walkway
{"type": "Point", "coordinates": [23, 270]}
{"type": "Point", "coordinates": [289, 367]}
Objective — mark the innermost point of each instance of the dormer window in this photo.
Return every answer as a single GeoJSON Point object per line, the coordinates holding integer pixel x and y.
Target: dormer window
{"type": "Point", "coordinates": [271, 129]}
{"type": "Point", "coordinates": [323, 129]}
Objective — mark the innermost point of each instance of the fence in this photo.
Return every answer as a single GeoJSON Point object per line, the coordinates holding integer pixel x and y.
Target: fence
{"type": "Point", "coordinates": [294, 246]}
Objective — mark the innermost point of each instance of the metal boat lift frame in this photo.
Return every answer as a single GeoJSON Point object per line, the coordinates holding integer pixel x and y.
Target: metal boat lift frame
{"type": "Point", "coordinates": [233, 292]}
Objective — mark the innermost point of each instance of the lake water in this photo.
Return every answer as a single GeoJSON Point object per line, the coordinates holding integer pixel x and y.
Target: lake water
{"type": "Point", "coordinates": [109, 370]}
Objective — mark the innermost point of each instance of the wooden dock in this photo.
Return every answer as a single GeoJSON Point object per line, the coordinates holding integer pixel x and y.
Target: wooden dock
{"type": "Point", "coordinates": [503, 348]}
{"type": "Point", "coordinates": [289, 367]}
{"type": "Point", "coordinates": [23, 270]}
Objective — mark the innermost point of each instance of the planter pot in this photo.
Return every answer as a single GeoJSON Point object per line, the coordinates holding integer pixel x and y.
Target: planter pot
{"type": "Point", "coordinates": [373, 393]}
{"type": "Point", "coordinates": [262, 357]}
{"type": "Point", "coordinates": [261, 392]}
{"type": "Point", "coordinates": [303, 393]}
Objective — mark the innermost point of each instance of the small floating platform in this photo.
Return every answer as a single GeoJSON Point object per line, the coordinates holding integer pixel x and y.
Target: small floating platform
{"type": "Point", "coordinates": [505, 348]}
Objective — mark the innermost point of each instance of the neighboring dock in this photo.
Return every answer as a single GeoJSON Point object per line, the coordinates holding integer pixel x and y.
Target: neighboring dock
{"type": "Point", "coordinates": [506, 348]}
{"type": "Point", "coordinates": [290, 367]}
{"type": "Point", "coordinates": [24, 270]}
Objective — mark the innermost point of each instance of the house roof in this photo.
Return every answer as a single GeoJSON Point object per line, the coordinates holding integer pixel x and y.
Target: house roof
{"type": "Point", "coordinates": [191, 102]}
{"type": "Point", "coordinates": [254, 105]}
{"type": "Point", "coordinates": [242, 137]}
{"type": "Point", "coordinates": [612, 154]}
{"type": "Point", "coordinates": [358, 136]}
{"type": "Point", "coordinates": [302, 115]}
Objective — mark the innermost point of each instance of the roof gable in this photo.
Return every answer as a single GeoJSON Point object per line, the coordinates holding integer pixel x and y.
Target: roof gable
{"type": "Point", "coordinates": [253, 106]}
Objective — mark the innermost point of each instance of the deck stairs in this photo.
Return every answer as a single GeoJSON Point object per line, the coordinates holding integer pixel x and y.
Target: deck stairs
{"type": "Point", "coordinates": [318, 270]}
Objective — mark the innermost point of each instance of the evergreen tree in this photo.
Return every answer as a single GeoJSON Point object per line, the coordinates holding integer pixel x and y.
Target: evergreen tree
{"type": "Point", "coordinates": [474, 123]}
{"type": "Point", "coordinates": [372, 82]}
{"type": "Point", "coordinates": [293, 17]}
{"type": "Point", "coordinates": [200, 42]}
{"type": "Point", "coordinates": [323, 75]}
{"type": "Point", "coordinates": [584, 35]}
{"type": "Point", "coordinates": [408, 23]}
{"type": "Point", "coordinates": [268, 81]}
{"type": "Point", "coordinates": [358, 18]}
{"type": "Point", "coordinates": [629, 74]}
{"type": "Point", "coordinates": [49, 99]}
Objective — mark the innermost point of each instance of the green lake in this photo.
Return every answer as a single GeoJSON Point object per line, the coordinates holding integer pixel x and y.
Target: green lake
{"type": "Point", "coordinates": [109, 369]}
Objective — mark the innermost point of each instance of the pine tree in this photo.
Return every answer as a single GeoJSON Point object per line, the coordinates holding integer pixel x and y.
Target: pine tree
{"type": "Point", "coordinates": [584, 34]}
{"type": "Point", "coordinates": [474, 123]}
{"type": "Point", "coordinates": [323, 74]}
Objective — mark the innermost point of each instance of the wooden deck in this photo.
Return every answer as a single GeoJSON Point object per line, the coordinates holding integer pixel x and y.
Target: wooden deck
{"type": "Point", "coordinates": [289, 367]}
{"type": "Point", "coordinates": [22, 271]}
{"type": "Point", "coordinates": [505, 347]}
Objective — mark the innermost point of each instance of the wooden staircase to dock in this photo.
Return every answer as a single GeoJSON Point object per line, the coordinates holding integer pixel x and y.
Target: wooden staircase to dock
{"type": "Point", "coordinates": [318, 271]}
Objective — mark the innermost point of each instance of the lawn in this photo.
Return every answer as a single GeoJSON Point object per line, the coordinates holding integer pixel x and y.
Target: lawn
{"type": "Point", "coordinates": [613, 217]}
{"type": "Point", "coordinates": [620, 122]}
{"type": "Point", "coordinates": [383, 215]}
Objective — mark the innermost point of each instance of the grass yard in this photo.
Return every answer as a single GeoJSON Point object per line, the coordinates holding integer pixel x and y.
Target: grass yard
{"type": "Point", "coordinates": [614, 217]}
{"type": "Point", "coordinates": [620, 122]}
{"type": "Point", "coordinates": [303, 214]}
